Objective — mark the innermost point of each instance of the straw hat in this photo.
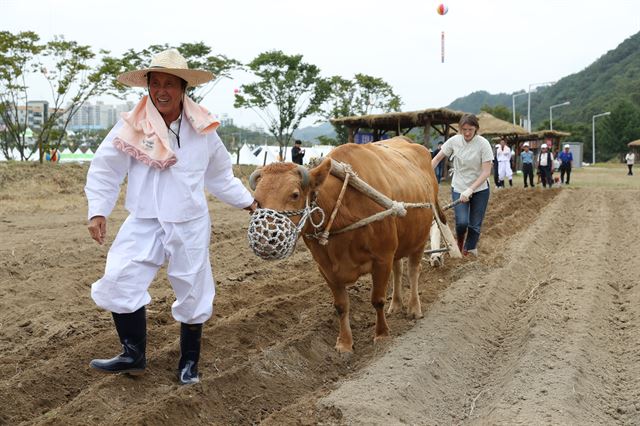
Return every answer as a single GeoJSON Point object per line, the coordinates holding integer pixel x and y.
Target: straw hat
{"type": "Point", "coordinates": [169, 61]}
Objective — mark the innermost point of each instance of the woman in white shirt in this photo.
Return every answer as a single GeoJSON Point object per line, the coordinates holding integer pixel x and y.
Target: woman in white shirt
{"type": "Point", "coordinates": [630, 158]}
{"type": "Point", "coordinates": [472, 161]}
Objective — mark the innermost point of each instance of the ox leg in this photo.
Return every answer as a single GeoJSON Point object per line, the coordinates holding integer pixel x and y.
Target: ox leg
{"type": "Point", "coordinates": [341, 303]}
{"type": "Point", "coordinates": [380, 277]}
{"type": "Point", "coordinates": [436, 259]}
{"type": "Point", "coordinates": [396, 295]}
{"type": "Point", "coordinates": [414, 308]}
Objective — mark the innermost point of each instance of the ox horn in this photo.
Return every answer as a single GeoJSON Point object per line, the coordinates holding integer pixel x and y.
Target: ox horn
{"type": "Point", "coordinates": [253, 179]}
{"type": "Point", "coordinates": [304, 174]}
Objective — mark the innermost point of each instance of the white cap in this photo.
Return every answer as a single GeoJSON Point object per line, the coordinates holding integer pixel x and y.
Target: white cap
{"type": "Point", "coordinates": [567, 146]}
{"type": "Point", "coordinates": [544, 145]}
{"type": "Point", "coordinates": [497, 145]}
{"type": "Point", "coordinates": [525, 144]}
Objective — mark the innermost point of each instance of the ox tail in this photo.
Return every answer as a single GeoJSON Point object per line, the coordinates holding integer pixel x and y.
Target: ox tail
{"type": "Point", "coordinates": [441, 223]}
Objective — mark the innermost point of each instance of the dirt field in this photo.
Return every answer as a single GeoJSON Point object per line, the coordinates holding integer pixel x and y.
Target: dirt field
{"type": "Point", "coordinates": [542, 328]}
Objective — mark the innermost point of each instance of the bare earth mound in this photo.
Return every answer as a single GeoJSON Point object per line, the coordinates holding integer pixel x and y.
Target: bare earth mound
{"type": "Point", "coordinates": [541, 328]}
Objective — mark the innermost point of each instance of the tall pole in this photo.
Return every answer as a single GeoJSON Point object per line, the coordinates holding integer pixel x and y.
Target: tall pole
{"type": "Point", "coordinates": [593, 134]}
{"type": "Point", "coordinates": [551, 113]}
{"type": "Point", "coordinates": [513, 105]}
{"type": "Point", "coordinates": [529, 102]}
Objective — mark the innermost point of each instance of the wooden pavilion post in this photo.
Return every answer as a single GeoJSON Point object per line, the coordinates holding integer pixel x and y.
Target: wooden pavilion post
{"type": "Point", "coordinates": [427, 134]}
{"type": "Point", "coordinates": [445, 169]}
{"type": "Point", "coordinates": [351, 135]}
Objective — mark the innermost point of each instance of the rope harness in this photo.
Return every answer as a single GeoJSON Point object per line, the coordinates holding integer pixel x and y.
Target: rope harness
{"type": "Point", "coordinates": [273, 235]}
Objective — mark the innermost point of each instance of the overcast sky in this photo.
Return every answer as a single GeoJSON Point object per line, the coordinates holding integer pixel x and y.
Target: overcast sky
{"type": "Point", "coordinates": [493, 45]}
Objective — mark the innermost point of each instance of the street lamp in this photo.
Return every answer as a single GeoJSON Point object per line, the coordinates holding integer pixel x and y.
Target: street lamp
{"type": "Point", "coordinates": [513, 105]}
{"type": "Point", "coordinates": [551, 113]}
{"type": "Point", "coordinates": [593, 134]}
{"type": "Point", "coordinates": [529, 102]}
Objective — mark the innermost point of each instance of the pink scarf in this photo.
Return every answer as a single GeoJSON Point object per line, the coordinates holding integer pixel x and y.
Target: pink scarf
{"type": "Point", "coordinates": [145, 136]}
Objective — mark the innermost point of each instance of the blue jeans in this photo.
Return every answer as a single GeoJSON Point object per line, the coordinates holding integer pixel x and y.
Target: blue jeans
{"type": "Point", "coordinates": [439, 170]}
{"type": "Point", "coordinates": [469, 216]}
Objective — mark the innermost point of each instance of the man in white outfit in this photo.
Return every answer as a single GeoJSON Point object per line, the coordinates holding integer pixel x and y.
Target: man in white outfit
{"type": "Point", "coordinates": [503, 155]}
{"type": "Point", "coordinates": [169, 151]}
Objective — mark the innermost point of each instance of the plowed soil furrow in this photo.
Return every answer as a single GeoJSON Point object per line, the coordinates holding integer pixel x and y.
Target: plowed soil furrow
{"type": "Point", "coordinates": [548, 338]}
{"type": "Point", "coordinates": [541, 329]}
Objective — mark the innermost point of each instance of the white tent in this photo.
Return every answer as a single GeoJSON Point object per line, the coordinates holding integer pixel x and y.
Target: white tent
{"type": "Point", "coordinates": [266, 154]}
{"type": "Point", "coordinates": [246, 157]}
{"type": "Point", "coordinates": [75, 157]}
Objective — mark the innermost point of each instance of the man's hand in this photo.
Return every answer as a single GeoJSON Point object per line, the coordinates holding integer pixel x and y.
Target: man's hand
{"type": "Point", "coordinates": [252, 208]}
{"type": "Point", "coordinates": [98, 228]}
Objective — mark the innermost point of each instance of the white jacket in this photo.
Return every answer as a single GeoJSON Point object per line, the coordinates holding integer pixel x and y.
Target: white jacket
{"type": "Point", "coordinates": [503, 154]}
{"type": "Point", "coordinates": [175, 194]}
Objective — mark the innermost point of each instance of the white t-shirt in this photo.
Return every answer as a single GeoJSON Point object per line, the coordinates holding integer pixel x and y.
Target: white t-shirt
{"type": "Point", "coordinates": [630, 157]}
{"type": "Point", "coordinates": [467, 160]}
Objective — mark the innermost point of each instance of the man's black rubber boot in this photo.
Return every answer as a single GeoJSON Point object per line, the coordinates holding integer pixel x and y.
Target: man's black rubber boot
{"type": "Point", "coordinates": [190, 335]}
{"type": "Point", "coordinates": [132, 330]}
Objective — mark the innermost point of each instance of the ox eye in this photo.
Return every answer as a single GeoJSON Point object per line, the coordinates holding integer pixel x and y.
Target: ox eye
{"type": "Point", "coordinates": [295, 196]}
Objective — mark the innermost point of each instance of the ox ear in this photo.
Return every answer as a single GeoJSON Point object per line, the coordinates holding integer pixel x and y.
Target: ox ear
{"type": "Point", "coordinates": [319, 173]}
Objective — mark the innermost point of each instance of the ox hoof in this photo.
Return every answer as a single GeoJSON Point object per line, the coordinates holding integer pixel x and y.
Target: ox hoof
{"type": "Point", "coordinates": [415, 314]}
{"type": "Point", "coordinates": [382, 338]}
{"type": "Point", "coordinates": [436, 261]}
{"type": "Point", "coordinates": [344, 348]}
{"type": "Point", "coordinates": [394, 308]}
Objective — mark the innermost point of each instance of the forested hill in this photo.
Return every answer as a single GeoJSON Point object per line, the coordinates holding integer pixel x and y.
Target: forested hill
{"type": "Point", "coordinates": [611, 83]}
{"type": "Point", "coordinates": [612, 78]}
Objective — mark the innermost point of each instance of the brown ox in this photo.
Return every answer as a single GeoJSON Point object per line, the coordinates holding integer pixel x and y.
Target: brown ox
{"type": "Point", "coordinates": [397, 168]}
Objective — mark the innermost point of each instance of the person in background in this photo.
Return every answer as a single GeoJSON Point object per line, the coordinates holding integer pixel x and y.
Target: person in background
{"type": "Point", "coordinates": [297, 153]}
{"type": "Point", "coordinates": [630, 158]}
{"type": "Point", "coordinates": [526, 156]}
{"type": "Point", "coordinates": [503, 155]}
{"type": "Point", "coordinates": [496, 180]}
{"type": "Point", "coordinates": [440, 169]}
{"type": "Point", "coordinates": [566, 161]}
{"type": "Point", "coordinates": [169, 151]}
{"type": "Point", "coordinates": [472, 158]}
{"type": "Point", "coordinates": [545, 166]}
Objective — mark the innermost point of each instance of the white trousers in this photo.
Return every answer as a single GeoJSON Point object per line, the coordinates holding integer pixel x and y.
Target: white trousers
{"type": "Point", "coordinates": [504, 170]}
{"type": "Point", "coordinates": [140, 249]}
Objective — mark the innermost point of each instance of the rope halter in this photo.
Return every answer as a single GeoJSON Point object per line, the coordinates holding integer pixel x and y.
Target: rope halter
{"type": "Point", "coordinates": [273, 235]}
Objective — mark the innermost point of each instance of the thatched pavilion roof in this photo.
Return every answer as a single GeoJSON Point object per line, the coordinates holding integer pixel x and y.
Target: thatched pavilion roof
{"type": "Point", "coordinates": [634, 143]}
{"type": "Point", "coordinates": [493, 126]}
{"type": "Point", "coordinates": [403, 120]}
{"type": "Point", "coordinates": [542, 134]}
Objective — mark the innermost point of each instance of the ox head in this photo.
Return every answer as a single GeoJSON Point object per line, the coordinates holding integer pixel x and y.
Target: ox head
{"type": "Point", "coordinates": [281, 190]}
{"type": "Point", "coordinates": [285, 186]}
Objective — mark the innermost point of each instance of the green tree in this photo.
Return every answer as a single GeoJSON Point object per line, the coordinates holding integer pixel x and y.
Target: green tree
{"type": "Point", "coordinates": [501, 112]}
{"type": "Point", "coordinates": [326, 140]}
{"type": "Point", "coordinates": [198, 55]}
{"type": "Point", "coordinates": [18, 53]}
{"type": "Point", "coordinates": [287, 91]}
{"type": "Point", "coordinates": [66, 67]}
{"type": "Point", "coordinates": [617, 130]}
{"type": "Point", "coordinates": [72, 81]}
{"type": "Point", "coordinates": [361, 96]}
